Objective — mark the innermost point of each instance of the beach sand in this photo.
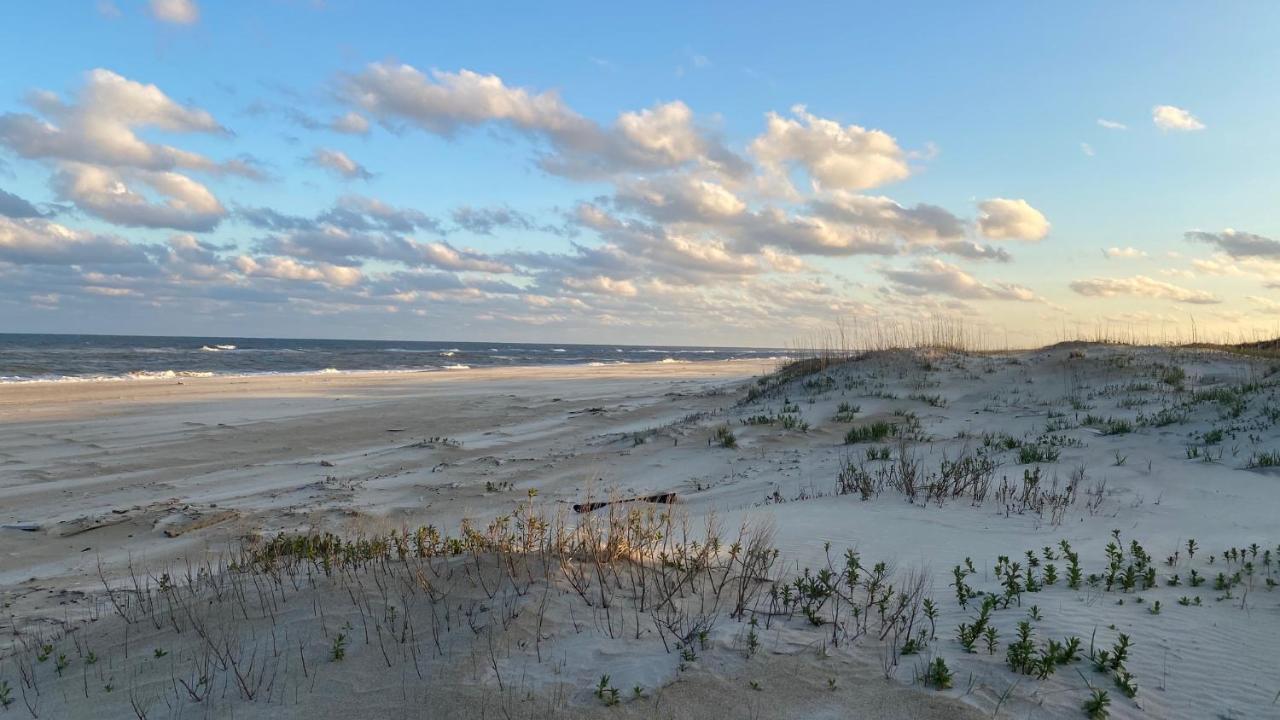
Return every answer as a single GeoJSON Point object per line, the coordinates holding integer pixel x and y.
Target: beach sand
{"type": "Point", "coordinates": [98, 478]}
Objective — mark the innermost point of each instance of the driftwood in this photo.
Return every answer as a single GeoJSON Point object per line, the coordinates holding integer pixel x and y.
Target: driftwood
{"type": "Point", "coordinates": [189, 521]}
{"type": "Point", "coordinates": [23, 526]}
{"type": "Point", "coordinates": [661, 498]}
{"type": "Point", "coordinates": [83, 524]}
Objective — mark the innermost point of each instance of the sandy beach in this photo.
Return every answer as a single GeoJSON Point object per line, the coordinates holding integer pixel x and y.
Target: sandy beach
{"type": "Point", "coordinates": [314, 451]}
{"type": "Point", "coordinates": [116, 481]}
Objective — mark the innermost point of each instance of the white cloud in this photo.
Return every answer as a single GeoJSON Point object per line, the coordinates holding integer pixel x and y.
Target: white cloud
{"type": "Point", "coordinates": [1112, 124]}
{"type": "Point", "coordinates": [178, 12]}
{"type": "Point", "coordinates": [835, 157]}
{"type": "Point", "coordinates": [111, 194]}
{"type": "Point", "coordinates": [1168, 117]}
{"type": "Point", "coordinates": [352, 123]}
{"type": "Point", "coordinates": [935, 276]}
{"type": "Point", "coordinates": [99, 157]}
{"type": "Point", "coordinates": [602, 285]}
{"type": "Point", "coordinates": [921, 223]}
{"type": "Point", "coordinates": [445, 256]}
{"type": "Point", "coordinates": [1141, 286]}
{"type": "Point", "coordinates": [680, 198]}
{"type": "Point", "coordinates": [1005, 219]}
{"type": "Point", "coordinates": [443, 103]}
{"type": "Point", "coordinates": [110, 291]}
{"type": "Point", "coordinates": [99, 126]}
{"type": "Point", "coordinates": [1087, 149]}
{"type": "Point", "coordinates": [32, 241]}
{"type": "Point", "coordinates": [1127, 253]}
{"type": "Point", "coordinates": [665, 132]}
{"type": "Point", "coordinates": [338, 162]}
{"type": "Point", "coordinates": [281, 268]}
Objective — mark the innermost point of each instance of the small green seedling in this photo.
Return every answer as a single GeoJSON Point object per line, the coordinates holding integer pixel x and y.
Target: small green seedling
{"type": "Point", "coordinates": [938, 675]}
{"type": "Point", "coordinates": [338, 650]}
{"type": "Point", "coordinates": [606, 692]}
{"type": "Point", "coordinates": [1095, 707]}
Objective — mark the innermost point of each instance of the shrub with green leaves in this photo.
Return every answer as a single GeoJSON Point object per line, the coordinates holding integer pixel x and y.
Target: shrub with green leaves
{"type": "Point", "coordinates": [938, 676]}
{"type": "Point", "coordinates": [725, 438]}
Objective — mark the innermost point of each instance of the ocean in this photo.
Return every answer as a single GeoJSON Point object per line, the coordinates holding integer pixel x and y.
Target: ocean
{"type": "Point", "coordinates": [84, 358]}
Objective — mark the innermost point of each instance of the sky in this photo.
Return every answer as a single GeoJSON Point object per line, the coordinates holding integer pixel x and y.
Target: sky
{"type": "Point", "coordinates": [708, 174]}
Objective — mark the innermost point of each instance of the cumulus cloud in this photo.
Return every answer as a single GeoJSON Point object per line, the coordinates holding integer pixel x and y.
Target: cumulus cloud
{"type": "Point", "coordinates": [42, 242]}
{"type": "Point", "coordinates": [99, 159]}
{"type": "Point", "coordinates": [811, 235]}
{"type": "Point", "coordinates": [99, 127]}
{"type": "Point", "coordinates": [636, 248]}
{"type": "Point", "coordinates": [1141, 286]}
{"type": "Point", "coordinates": [1005, 219]}
{"type": "Point", "coordinates": [931, 275]}
{"type": "Point", "coordinates": [920, 223]}
{"type": "Point", "coordinates": [281, 268]}
{"type": "Point", "coordinates": [113, 195]}
{"type": "Point", "coordinates": [1124, 253]}
{"type": "Point", "coordinates": [444, 103]}
{"type": "Point", "coordinates": [973, 251]}
{"type": "Point", "coordinates": [338, 162]}
{"type": "Point", "coordinates": [1237, 244]}
{"type": "Point", "coordinates": [352, 123]}
{"type": "Point", "coordinates": [178, 12]}
{"type": "Point", "coordinates": [443, 255]}
{"type": "Point", "coordinates": [361, 228]}
{"type": "Point", "coordinates": [602, 285]}
{"type": "Point", "coordinates": [680, 198]}
{"type": "Point", "coordinates": [835, 157]}
{"type": "Point", "coordinates": [1168, 117]}
{"type": "Point", "coordinates": [364, 213]}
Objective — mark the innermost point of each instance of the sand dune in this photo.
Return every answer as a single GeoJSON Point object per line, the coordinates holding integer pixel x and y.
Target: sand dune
{"type": "Point", "coordinates": [981, 456]}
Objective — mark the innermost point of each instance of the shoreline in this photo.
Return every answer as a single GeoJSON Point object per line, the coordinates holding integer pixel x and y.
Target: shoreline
{"type": "Point", "coordinates": [48, 400]}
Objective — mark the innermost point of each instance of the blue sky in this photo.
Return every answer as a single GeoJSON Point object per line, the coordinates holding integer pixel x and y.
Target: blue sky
{"type": "Point", "coordinates": [580, 173]}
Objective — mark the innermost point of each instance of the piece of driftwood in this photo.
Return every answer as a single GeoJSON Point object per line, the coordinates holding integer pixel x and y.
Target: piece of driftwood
{"type": "Point", "coordinates": [187, 522]}
{"type": "Point", "coordinates": [85, 523]}
{"type": "Point", "coordinates": [661, 498]}
{"type": "Point", "coordinates": [23, 526]}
